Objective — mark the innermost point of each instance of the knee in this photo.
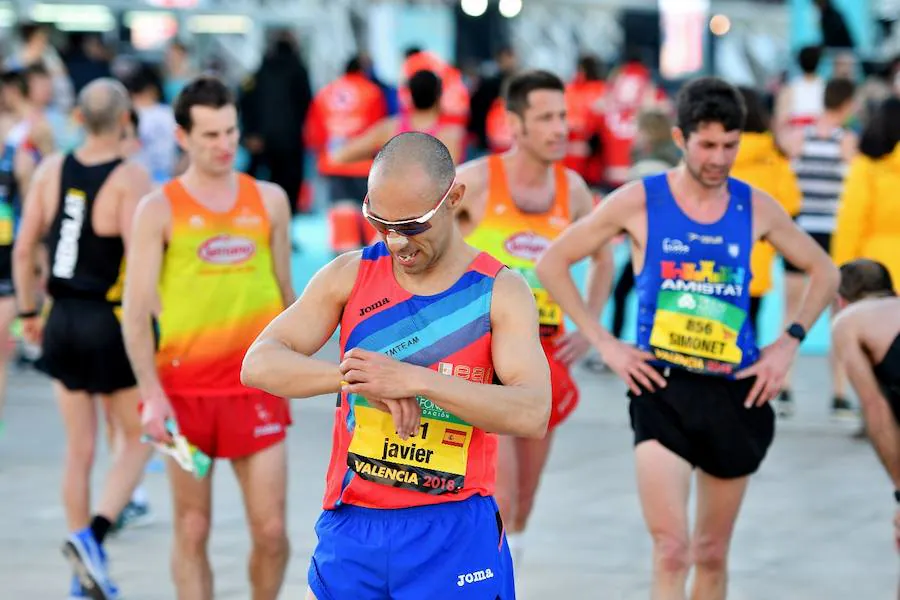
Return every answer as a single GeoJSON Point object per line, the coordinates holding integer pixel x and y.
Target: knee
{"type": "Point", "coordinates": [80, 452]}
{"type": "Point", "coordinates": [269, 536]}
{"type": "Point", "coordinates": [672, 553]}
{"type": "Point", "coordinates": [192, 531]}
{"type": "Point", "coordinates": [710, 553]}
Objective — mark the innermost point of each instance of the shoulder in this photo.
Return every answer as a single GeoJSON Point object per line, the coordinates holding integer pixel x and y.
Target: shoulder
{"type": "Point", "coordinates": [51, 165]}
{"type": "Point", "coordinates": [474, 175]}
{"type": "Point", "coordinates": [274, 198]}
{"type": "Point", "coordinates": [131, 171]}
{"type": "Point", "coordinates": [581, 199]}
{"type": "Point", "coordinates": [630, 197]}
{"type": "Point", "coordinates": [511, 295]}
{"type": "Point", "coordinates": [339, 276]}
{"type": "Point", "coordinates": [848, 323]}
{"type": "Point", "coordinates": [154, 208]}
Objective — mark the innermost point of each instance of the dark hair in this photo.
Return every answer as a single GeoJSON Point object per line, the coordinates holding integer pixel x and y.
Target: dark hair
{"type": "Point", "coordinates": [864, 278]}
{"type": "Point", "coordinates": [633, 53]}
{"type": "Point", "coordinates": [838, 92]}
{"type": "Point", "coordinates": [134, 118]}
{"type": "Point", "coordinates": [412, 51]}
{"type": "Point", "coordinates": [38, 69]}
{"type": "Point", "coordinates": [144, 78]}
{"type": "Point", "coordinates": [809, 58]}
{"type": "Point", "coordinates": [15, 78]}
{"type": "Point", "coordinates": [27, 31]}
{"type": "Point", "coordinates": [757, 120]}
{"type": "Point", "coordinates": [354, 65]}
{"type": "Point", "coordinates": [709, 100]}
{"type": "Point", "coordinates": [882, 133]}
{"type": "Point", "coordinates": [591, 66]}
{"type": "Point", "coordinates": [425, 89]}
{"type": "Point", "coordinates": [521, 85]}
{"type": "Point", "coordinates": [205, 90]}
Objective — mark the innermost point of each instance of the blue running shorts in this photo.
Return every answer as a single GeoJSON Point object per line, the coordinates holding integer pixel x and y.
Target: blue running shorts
{"type": "Point", "coordinates": [451, 550]}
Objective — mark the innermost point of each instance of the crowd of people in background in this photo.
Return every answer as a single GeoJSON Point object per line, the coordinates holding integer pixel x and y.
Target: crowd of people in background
{"type": "Point", "coordinates": [825, 148]}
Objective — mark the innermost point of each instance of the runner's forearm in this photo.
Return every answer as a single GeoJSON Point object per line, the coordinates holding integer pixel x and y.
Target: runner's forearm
{"type": "Point", "coordinates": [824, 279]}
{"type": "Point", "coordinates": [137, 330]}
{"type": "Point", "coordinates": [509, 410]}
{"type": "Point", "coordinates": [24, 265]}
{"type": "Point", "coordinates": [599, 282]}
{"type": "Point", "coordinates": [557, 279]}
{"type": "Point", "coordinates": [273, 367]}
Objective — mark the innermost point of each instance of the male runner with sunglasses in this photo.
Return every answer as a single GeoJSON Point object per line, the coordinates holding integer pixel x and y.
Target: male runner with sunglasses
{"type": "Point", "coordinates": [515, 205]}
{"type": "Point", "coordinates": [428, 327]}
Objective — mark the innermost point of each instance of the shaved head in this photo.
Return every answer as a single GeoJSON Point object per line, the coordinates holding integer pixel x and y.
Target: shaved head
{"type": "Point", "coordinates": [417, 158]}
{"type": "Point", "coordinates": [102, 104]}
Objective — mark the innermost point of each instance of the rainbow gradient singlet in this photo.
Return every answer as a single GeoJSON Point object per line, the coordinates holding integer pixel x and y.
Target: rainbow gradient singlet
{"type": "Point", "coordinates": [218, 291]}
{"type": "Point", "coordinates": [517, 238]}
{"type": "Point", "coordinates": [448, 460]}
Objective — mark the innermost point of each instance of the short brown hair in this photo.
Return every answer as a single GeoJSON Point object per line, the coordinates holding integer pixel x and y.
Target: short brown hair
{"type": "Point", "coordinates": [864, 278]}
{"type": "Point", "coordinates": [838, 92]}
{"type": "Point", "coordinates": [520, 86]}
{"type": "Point", "coordinates": [205, 90]}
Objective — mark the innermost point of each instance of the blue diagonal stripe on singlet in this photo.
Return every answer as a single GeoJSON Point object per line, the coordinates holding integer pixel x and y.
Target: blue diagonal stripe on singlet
{"type": "Point", "coordinates": [375, 252]}
{"type": "Point", "coordinates": [396, 321]}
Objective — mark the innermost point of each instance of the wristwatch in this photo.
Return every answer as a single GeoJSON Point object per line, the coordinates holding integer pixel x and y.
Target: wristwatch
{"type": "Point", "coordinates": [797, 332]}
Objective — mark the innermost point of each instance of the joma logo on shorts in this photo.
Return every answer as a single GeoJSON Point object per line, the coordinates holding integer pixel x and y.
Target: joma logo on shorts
{"type": "Point", "coordinates": [475, 577]}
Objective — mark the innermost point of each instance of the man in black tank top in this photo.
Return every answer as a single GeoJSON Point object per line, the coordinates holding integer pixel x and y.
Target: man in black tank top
{"type": "Point", "coordinates": [866, 338]}
{"type": "Point", "coordinates": [81, 205]}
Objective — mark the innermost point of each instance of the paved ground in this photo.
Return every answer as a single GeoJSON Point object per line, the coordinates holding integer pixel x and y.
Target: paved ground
{"type": "Point", "coordinates": [816, 524]}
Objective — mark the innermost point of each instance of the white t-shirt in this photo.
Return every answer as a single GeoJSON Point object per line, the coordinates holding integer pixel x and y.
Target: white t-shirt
{"type": "Point", "coordinates": [156, 130]}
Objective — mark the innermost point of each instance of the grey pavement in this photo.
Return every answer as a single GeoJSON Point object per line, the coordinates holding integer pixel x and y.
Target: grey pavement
{"type": "Point", "coordinates": [816, 523]}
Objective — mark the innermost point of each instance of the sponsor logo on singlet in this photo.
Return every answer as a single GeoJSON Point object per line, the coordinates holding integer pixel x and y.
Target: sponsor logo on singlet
{"type": "Point", "coordinates": [226, 250]}
{"type": "Point", "coordinates": [66, 257]}
{"type": "Point", "coordinates": [526, 245]}
{"type": "Point", "coordinates": [475, 577]}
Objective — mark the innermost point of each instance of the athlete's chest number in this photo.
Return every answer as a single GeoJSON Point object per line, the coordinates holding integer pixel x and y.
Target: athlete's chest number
{"type": "Point", "coordinates": [549, 312]}
{"type": "Point", "coordinates": [700, 327]}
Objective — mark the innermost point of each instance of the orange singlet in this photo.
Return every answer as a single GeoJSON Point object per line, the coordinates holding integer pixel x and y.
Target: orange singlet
{"type": "Point", "coordinates": [516, 239]}
{"type": "Point", "coordinates": [218, 291]}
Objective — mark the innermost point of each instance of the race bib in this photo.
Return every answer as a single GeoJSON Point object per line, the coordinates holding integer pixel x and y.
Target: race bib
{"type": "Point", "coordinates": [697, 332]}
{"type": "Point", "coordinates": [432, 462]}
{"type": "Point", "coordinates": [549, 312]}
{"type": "Point", "coordinates": [7, 224]}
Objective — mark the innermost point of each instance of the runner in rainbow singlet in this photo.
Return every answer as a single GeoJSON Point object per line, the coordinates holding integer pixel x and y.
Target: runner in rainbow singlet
{"type": "Point", "coordinates": [426, 117]}
{"type": "Point", "coordinates": [699, 387]}
{"type": "Point", "coordinates": [515, 205]}
{"type": "Point", "coordinates": [210, 254]}
{"type": "Point", "coordinates": [439, 346]}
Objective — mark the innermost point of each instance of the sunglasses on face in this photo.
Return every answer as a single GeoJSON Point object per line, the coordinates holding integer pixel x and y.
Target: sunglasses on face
{"type": "Point", "coordinates": [406, 227]}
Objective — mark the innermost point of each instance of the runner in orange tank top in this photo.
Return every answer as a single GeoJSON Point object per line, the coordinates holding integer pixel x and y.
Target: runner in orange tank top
{"type": "Point", "coordinates": [210, 253]}
{"type": "Point", "coordinates": [443, 338]}
{"type": "Point", "coordinates": [515, 205]}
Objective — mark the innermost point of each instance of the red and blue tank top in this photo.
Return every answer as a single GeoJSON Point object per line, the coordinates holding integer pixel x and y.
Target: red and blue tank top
{"type": "Point", "coordinates": [694, 288]}
{"type": "Point", "coordinates": [448, 460]}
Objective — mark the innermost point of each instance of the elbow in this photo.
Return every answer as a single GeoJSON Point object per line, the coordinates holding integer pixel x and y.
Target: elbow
{"type": "Point", "coordinates": [535, 425]}
{"type": "Point", "coordinates": [831, 274]}
{"type": "Point", "coordinates": [250, 368]}
{"type": "Point", "coordinates": [545, 265]}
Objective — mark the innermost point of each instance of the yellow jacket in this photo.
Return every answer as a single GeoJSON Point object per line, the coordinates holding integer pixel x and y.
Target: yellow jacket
{"type": "Point", "coordinates": [868, 220]}
{"type": "Point", "coordinates": [760, 164]}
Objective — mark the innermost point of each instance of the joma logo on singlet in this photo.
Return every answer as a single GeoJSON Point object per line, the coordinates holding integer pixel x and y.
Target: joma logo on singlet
{"type": "Point", "coordinates": [371, 307]}
{"type": "Point", "coordinates": [475, 577]}
{"type": "Point", "coordinates": [66, 256]}
{"type": "Point", "coordinates": [526, 245]}
{"type": "Point", "coordinates": [226, 250]}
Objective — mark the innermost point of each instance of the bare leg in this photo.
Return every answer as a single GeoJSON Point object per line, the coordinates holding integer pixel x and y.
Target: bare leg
{"type": "Point", "coordinates": [130, 456]}
{"type": "Point", "coordinates": [718, 503]}
{"type": "Point", "coordinates": [7, 315]}
{"type": "Point", "coordinates": [192, 508]}
{"type": "Point", "coordinates": [532, 457]}
{"type": "Point", "coordinates": [263, 480]}
{"type": "Point", "coordinates": [79, 417]}
{"type": "Point", "coordinates": [664, 485]}
{"type": "Point", "coordinates": [838, 374]}
{"type": "Point", "coordinates": [507, 487]}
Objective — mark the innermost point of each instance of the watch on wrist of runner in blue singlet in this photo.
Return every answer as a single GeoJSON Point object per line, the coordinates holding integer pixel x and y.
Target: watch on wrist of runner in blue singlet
{"type": "Point", "coordinates": [797, 331]}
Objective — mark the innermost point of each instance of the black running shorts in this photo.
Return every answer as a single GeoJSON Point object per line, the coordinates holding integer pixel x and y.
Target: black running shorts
{"type": "Point", "coordinates": [702, 419]}
{"type": "Point", "coordinates": [83, 347]}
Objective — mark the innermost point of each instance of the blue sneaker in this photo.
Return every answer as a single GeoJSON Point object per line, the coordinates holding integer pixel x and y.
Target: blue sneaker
{"type": "Point", "coordinates": [89, 562]}
{"type": "Point", "coordinates": [76, 592]}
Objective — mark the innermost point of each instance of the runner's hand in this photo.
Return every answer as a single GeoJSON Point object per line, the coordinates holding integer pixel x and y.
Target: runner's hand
{"type": "Point", "coordinates": [630, 364]}
{"type": "Point", "coordinates": [154, 414]}
{"type": "Point", "coordinates": [33, 330]}
{"type": "Point", "coordinates": [571, 347]}
{"type": "Point", "coordinates": [770, 370]}
{"type": "Point", "coordinates": [406, 412]}
{"type": "Point", "coordinates": [374, 375]}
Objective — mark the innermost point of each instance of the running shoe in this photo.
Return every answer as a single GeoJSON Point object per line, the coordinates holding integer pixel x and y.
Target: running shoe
{"type": "Point", "coordinates": [842, 409]}
{"type": "Point", "coordinates": [133, 515]}
{"type": "Point", "coordinates": [784, 405]}
{"type": "Point", "coordinates": [89, 563]}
